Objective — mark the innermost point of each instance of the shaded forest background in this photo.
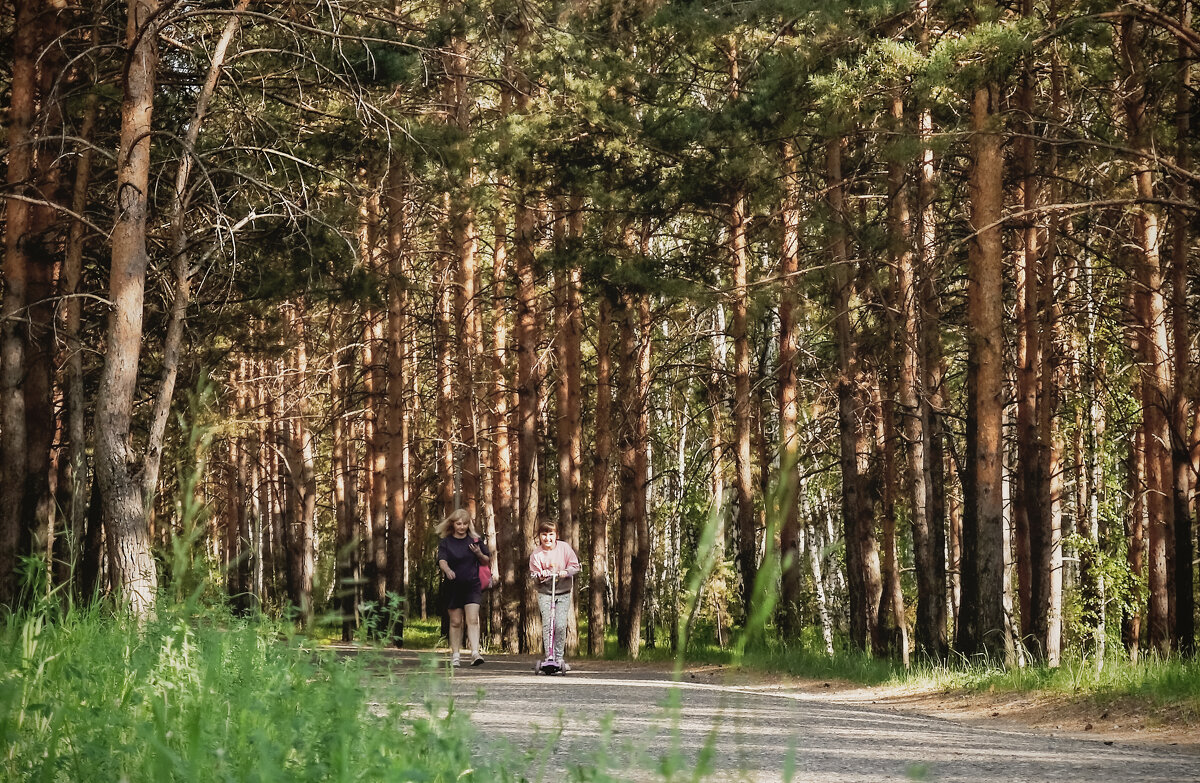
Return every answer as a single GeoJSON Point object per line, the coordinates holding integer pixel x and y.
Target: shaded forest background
{"type": "Point", "coordinates": [876, 320]}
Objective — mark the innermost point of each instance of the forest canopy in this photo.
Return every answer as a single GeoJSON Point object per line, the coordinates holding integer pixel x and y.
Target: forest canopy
{"type": "Point", "coordinates": [874, 321]}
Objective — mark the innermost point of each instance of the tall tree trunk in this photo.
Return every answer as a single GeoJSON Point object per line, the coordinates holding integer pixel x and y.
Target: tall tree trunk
{"type": "Point", "coordinates": [892, 620]}
{"type": "Point", "coordinates": [743, 476]}
{"type": "Point", "coordinates": [396, 195]}
{"type": "Point", "coordinates": [932, 589]}
{"type": "Point", "coordinates": [134, 575]}
{"type": "Point", "coordinates": [529, 391]}
{"type": "Point", "coordinates": [627, 450]}
{"type": "Point", "coordinates": [1150, 313]}
{"type": "Point", "coordinates": [862, 554]}
{"type": "Point", "coordinates": [599, 581]}
{"type": "Point", "coordinates": [1184, 479]}
{"type": "Point", "coordinates": [635, 524]}
{"type": "Point", "coordinates": [13, 444]}
{"type": "Point", "coordinates": [44, 247]}
{"type": "Point", "coordinates": [508, 532]}
{"type": "Point", "coordinates": [983, 627]}
{"type": "Point", "coordinates": [789, 333]}
{"type": "Point", "coordinates": [345, 512]}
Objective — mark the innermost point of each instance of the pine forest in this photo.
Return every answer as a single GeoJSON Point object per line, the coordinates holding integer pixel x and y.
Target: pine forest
{"type": "Point", "coordinates": [870, 324]}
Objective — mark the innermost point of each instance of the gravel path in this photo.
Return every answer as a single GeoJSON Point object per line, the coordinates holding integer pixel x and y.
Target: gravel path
{"type": "Point", "coordinates": [636, 724]}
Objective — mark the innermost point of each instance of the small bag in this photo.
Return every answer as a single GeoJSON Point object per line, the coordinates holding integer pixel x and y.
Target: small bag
{"type": "Point", "coordinates": [485, 575]}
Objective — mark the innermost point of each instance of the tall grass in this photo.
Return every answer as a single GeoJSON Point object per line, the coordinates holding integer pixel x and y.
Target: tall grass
{"type": "Point", "coordinates": [207, 697]}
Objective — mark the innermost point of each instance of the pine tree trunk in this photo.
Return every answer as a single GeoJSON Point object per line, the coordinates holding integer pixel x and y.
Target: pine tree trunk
{"type": "Point", "coordinates": [983, 627]}
{"type": "Point", "coordinates": [627, 450]}
{"type": "Point", "coordinates": [598, 582]}
{"type": "Point", "coordinates": [529, 392]}
{"type": "Point", "coordinates": [345, 512]}
{"type": "Point", "coordinates": [1150, 313]}
{"type": "Point", "coordinates": [44, 247]}
{"type": "Point", "coordinates": [790, 532]}
{"type": "Point", "coordinates": [932, 589]}
{"type": "Point", "coordinates": [635, 524]}
{"type": "Point", "coordinates": [506, 611]}
{"type": "Point", "coordinates": [1184, 479]}
{"type": "Point", "coordinates": [135, 577]}
{"type": "Point", "coordinates": [862, 555]}
{"type": "Point", "coordinates": [13, 444]}
{"type": "Point", "coordinates": [892, 621]}
{"type": "Point", "coordinates": [398, 575]}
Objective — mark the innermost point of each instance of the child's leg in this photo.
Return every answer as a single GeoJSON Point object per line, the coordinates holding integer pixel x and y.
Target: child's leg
{"type": "Point", "coordinates": [562, 612]}
{"type": "Point", "coordinates": [456, 631]}
{"type": "Point", "coordinates": [472, 619]}
{"type": "Point", "coordinates": [544, 603]}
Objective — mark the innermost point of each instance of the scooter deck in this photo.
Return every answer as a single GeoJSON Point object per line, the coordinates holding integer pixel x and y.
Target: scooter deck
{"type": "Point", "coordinates": [551, 668]}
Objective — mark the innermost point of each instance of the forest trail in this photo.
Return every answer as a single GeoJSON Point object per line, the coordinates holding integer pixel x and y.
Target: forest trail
{"type": "Point", "coordinates": [632, 721]}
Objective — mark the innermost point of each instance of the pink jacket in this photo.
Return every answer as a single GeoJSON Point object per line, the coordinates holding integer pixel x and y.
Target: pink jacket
{"type": "Point", "coordinates": [543, 563]}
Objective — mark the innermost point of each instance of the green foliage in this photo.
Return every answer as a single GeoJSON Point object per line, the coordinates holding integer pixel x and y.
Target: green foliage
{"type": "Point", "coordinates": [209, 697]}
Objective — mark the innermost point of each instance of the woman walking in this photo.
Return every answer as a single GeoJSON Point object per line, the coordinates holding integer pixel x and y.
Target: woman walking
{"type": "Point", "coordinates": [460, 553]}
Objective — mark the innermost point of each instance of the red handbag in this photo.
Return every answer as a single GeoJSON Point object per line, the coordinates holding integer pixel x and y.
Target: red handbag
{"type": "Point", "coordinates": [485, 575]}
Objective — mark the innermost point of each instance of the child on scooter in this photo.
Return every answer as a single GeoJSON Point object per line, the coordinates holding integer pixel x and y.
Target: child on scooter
{"type": "Point", "coordinates": [553, 564]}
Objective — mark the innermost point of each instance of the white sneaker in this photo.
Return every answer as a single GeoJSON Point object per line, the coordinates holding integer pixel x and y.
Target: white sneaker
{"type": "Point", "coordinates": [455, 662]}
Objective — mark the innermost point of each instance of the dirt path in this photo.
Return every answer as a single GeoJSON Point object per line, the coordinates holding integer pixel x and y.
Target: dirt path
{"type": "Point", "coordinates": [634, 722]}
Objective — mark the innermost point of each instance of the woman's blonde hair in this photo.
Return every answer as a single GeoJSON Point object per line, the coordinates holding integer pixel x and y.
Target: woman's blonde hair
{"type": "Point", "coordinates": [446, 526]}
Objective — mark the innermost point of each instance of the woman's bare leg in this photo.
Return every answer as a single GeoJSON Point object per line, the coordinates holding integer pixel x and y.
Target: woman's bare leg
{"type": "Point", "coordinates": [472, 616]}
{"type": "Point", "coordinates": [456, 632]}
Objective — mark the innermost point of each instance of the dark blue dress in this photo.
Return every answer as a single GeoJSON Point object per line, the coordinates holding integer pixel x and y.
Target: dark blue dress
{"type": "Point", "coordinates": [464, 588]}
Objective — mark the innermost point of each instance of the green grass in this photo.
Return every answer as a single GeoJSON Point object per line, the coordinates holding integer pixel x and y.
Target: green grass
{"type": "Point", "coordinates": [209, 697]}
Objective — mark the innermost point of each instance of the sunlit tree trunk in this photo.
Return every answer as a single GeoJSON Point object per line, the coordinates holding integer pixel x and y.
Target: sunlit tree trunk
{"type": "Point", "coordinates": [396, 195]}
{"type": "Point", "coordinates": [302, 479]}
{"type": "Point", "coordinates": [983, 627]}
{"type": "Point", "coordinates": [135, 577]}
{"type": "Point", "coordinates": [1150, 315]}
{"type": "Point", "coordinates": [345, 511]}
{"type": "Point", "coordinates": [789, 333]}
{"type": "Point", "coordinates": [529, 393]}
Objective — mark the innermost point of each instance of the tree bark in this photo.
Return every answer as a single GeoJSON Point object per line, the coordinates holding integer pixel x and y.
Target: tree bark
{"type": "Point", "coordinates": [983, 628]}
{"type": "Point", "coordinates": [598, 583]}
{"type": "Point", "coordinates": [135, 577]}
{"type": "Point", "coordinates": [1184, 478]}
{"type": "Point", "coordinates": [1150, 313]}
{"type": "Point", "coordinates": [862, 554]}
{"type": "Point", "coordinates": [17, 219]}
{"type": "Point", "coordinates": [398, 575]}
{"type": "Point", "coordinates": [789, 333]}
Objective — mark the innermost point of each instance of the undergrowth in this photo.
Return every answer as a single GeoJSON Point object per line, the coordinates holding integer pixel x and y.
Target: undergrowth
{"type": "Point", "coordinates": [189, 697]}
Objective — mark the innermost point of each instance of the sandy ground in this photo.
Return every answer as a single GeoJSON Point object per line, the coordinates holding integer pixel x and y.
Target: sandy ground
{"type": "Point", "coordinates": [632, 721]}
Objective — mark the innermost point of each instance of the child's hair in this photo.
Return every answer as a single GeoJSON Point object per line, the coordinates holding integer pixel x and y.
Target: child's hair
{"type": "Point", "coordinates": [547, 527]}
{"type": "Point", "coordinates": [446, 526]}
